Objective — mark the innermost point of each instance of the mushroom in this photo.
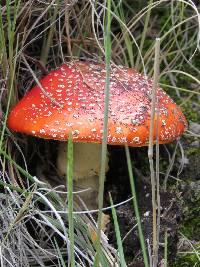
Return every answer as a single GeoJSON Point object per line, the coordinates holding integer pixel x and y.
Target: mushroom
{"type": "Point", "coordinates": [79, 88]}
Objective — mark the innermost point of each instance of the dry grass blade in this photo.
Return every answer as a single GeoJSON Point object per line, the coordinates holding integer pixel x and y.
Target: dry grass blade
{"type": "Point", "coordinates": [153, 124]}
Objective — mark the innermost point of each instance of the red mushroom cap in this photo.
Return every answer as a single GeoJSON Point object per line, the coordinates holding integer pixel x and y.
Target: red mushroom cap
{"type": "Point", "coordinates": [79, 87]}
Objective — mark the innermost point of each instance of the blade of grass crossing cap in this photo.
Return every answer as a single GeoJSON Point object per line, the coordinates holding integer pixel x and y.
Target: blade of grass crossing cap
{"type": "Point", "coordinates": [105, 129]}
{"type": "Point", "coordinates": [70, 199]}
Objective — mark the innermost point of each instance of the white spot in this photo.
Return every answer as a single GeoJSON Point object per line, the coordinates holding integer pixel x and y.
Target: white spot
{"type": "Point", "coordinates": [136, 139]}
{"type": "Point", "coordinates": [42, 131]}
{"type": "Point", "coordinates": [75, 116]}
{"type": "Point", "coordinates": [118, 130]}
{"type": "Point", "coordinates": [113, 113]}
{"type": "Point", "coordinates": [146, 214]}
{"type": "Point", "coordinates": [123, 140]}
{"type": "Point", "coordinates": [69, 124]}
{"type": "Point", "coordinates": [114, 139]}
{"type": "Point", "coordinates": [48, 114]}
{"type": "Point", "coordinates": [75, 133]}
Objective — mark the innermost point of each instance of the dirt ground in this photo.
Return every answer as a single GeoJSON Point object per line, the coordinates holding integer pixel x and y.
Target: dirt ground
{"type": "Point", "coordinates": [118, 186]}
{"type": "Point", "coordinates": [173, 201]}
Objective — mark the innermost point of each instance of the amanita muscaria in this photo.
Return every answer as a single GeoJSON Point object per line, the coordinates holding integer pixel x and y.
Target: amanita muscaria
{"type": "Point", "coordinates": [79, 88]}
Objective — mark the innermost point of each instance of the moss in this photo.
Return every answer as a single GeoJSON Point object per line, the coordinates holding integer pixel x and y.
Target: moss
{"type": "Point", "coordinates": [187, 260]}
{"type": "Point", "coordinates": [191, 199]}
{"type": "Point", "coordinates": [189, 111]}
{"type": "Point", "coordinates": [190, 228]}
{"type": "Point", "coordinates": [191, 225]}
{"type": "Point", "coordinates": [192, 151]}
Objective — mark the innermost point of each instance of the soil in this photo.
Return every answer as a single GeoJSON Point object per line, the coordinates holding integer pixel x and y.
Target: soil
{"type": "Point", "coordinates": [117, 183]}
{"type": "Point", "coordinates": [118, 186]}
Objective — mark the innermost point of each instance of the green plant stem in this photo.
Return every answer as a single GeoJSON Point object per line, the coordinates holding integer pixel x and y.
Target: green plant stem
{"type": "Point", "coordinates": [136, 209]}
{"type": "Point", "coordinates": [144, 33]}
{"type": "Point", "coordinates": [105, 129]}
{"type": "Point", "coordinates": [118, 236]}
{"type": "Point", "coordinates": [48, 40]}
{"type": "Point", "coordinates": [165, 249]}
{"type": "Point", "coordinates": [70, 199]}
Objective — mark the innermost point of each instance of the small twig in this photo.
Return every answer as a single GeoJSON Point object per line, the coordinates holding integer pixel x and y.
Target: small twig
{"type": "Point", "coordinates": [39, 63]}
{"type": "Point", "coordinates": [129, 232]}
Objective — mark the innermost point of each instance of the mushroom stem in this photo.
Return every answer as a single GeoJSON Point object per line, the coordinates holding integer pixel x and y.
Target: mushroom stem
{"type": "Point", "coordinates": [87, 159]}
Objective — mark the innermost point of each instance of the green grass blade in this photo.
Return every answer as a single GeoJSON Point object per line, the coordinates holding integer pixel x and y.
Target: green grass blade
{"type": "Point", "coordinates": [61, 261]}
{"type": "Point", "coordinates": [3, 50]}
{"type": "Point", "coordinates": [105, 129]}
{"type": "Point", "coordinates": [136, 209]}
{"type": "Point", "coordinates": [70, 199]}
{"type": "Point", "coordinates": [25, 173]}
{"type": "Point", "coordinates": [118, 236]}
{"type": "Point", "coordinates": [49, 36]}
{"type": "Point", "coordinates": [102, 259]}
{"type": "Point", "coordinates": [51, 194]}
{"type": "Point", "coordinates": [119, 11]}
{"type": "Point", "coordinates": [144, 34]}
{"type": "Point", "coordinates": [165, 248]}
{"type": "Point", "coordinates": [9, 62]}
{"type": "Point", "coordinates": [14, 188]}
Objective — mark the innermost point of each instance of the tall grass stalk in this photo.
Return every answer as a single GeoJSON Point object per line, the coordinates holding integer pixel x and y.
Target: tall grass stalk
{"type": "Point", "coordinates": [136, 209]}
{"type": "Point", "coordinates": [157, 176]}
{"type": "Point", "coordinates": [105, 127]}
{"type": "Point", "coordinates": [144, 34]}
{"type": "Point", "coordinates": [154, 118]}
{"type": "Point", "coordinates": [120, 16]}
{"type": "Point", "coordinates": [70, 200]}
{"type": "Point", "coordinates": [7, 60]}
{"type": "Point", "coordinates": [49, 35]}
{"type": "Point", "coordinates": [165, 248]}
{"type": "Point", "coordinates": [118, 235]}
{"type": "Point", "coordinates": [61, 261]}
